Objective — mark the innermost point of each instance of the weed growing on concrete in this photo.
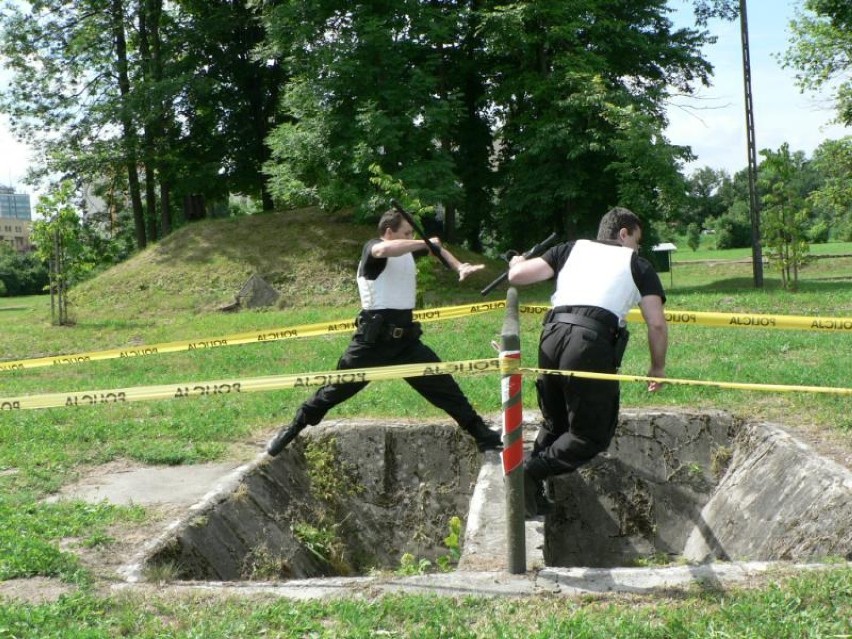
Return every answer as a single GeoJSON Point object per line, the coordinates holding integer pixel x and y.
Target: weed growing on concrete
{"type": "Point", "coordinates": [262, 564]}
{"type": "Point", "coordinates": [452, 541]}
{"type": "Point", "coordinates": [324, 543]}
{"type": "Point", "coordinates": [721, 460]}
{"type": "Point", "coordinates": [161, 573]}
{"type": "Point", "coordinates": [655, 560]}
{"type": "Point", "coordinates": [410, 565]}
{"type": "Point", "coordinates": [331, 479]}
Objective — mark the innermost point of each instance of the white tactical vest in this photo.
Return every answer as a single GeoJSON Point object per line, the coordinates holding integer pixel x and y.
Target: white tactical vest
{"type": "Point", "coordinates": [395, 287]}
{"type": "Point", "coordinates": [597, 274]}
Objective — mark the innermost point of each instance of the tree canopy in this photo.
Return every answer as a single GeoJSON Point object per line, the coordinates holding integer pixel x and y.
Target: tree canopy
{"type": "Point", "coordinates": [518, 117]}
{"type": "Point", "coordinates": [821, 51]}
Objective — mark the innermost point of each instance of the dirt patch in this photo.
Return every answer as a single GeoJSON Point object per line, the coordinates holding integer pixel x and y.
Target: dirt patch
{"type": "Point", "coordinates": [34, 590]}
{"type": "Point", "coordinates": [831, 444]}
{"type": "Point", "coordinates": [166, 492]}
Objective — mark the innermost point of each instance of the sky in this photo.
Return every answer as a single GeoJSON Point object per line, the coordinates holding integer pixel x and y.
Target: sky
{"type": "Point", "coordinates": [713, 124]}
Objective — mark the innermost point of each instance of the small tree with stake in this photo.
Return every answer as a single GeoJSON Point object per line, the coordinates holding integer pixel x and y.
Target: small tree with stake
{"type": "Point", "coordinates": [57, 240]}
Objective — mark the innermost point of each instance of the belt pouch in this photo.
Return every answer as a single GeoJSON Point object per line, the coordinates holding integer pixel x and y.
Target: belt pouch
{"type": "Point", "coordinates": [621, 340]}
{"type": "Point", "coordinates": [370, 327]}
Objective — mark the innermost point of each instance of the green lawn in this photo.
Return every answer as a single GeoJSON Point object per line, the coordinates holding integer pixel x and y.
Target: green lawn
{"type": "Point", "coordinates": [42, 450]}
{"type": "Point", "coordinates": [707, 250]}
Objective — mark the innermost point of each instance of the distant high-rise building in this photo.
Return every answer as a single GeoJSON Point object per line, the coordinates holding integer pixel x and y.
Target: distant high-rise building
{"type": "Point", "coordinates": [15, 218]}
{"type": "Point", "coordinates": [14, 205]}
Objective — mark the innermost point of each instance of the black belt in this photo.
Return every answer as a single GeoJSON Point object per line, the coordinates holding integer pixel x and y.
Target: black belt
{"type": "Point", "coordinates": [398, 332]}
{"type": "Point", "coordinates": [586, 322]}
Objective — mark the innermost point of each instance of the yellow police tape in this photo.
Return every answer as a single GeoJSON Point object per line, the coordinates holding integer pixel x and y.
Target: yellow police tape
{"type": "Point", "coordinates": [777, 388]}
{"type": "Point", "coordinates": [268, 335]}
{"type": "Point", "coordinates": [307, 380]}
{"type": "Point", "coordinates": [738, 320]}
{"type": "Point", "coordinates": [751, 320]}
{"type": "Point", "coordinates": [247, 385]}
{"type": "Point", "coordinates": [830, 324]}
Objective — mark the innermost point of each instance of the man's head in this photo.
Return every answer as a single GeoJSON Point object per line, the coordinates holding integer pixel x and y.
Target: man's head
{"type": "Point", "coordinates": [621, 225]}
{"type": "Point", "coordinates": [393, 226]}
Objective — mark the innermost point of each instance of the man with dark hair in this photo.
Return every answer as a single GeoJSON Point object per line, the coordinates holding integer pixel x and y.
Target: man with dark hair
{"type": "Point", "coordinates": [386, 334]}
{"type": "Point", "coordinates": [597, 282]}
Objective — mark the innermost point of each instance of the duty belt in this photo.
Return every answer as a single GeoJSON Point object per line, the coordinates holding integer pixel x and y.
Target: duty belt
{"type": "Point", "coordinates": [586, 322]}
{"type": "Point", "coordinates": [398, 332]}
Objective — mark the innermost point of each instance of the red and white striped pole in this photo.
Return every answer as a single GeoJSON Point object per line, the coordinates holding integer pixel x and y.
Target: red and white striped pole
{"type": "Point", "coordinates": [513, 440]}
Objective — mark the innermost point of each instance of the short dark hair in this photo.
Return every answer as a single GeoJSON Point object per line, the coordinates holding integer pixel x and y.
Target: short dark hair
{"type": "Point", "coordinates": [616, 219]}
{"type": "Point", "coordinates": [391, 219]}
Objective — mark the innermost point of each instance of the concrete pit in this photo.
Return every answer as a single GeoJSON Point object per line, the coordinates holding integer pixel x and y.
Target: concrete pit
{"type": "Point", "coordinates": [349, 498]}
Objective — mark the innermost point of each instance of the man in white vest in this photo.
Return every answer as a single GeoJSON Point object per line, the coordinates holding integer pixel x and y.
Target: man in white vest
{"type": "Point", "coordinates": [387, 334]}
{"type": "Point", "coordinates": [597, 283]}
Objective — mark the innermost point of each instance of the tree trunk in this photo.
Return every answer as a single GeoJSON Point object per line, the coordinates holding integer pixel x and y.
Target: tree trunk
{"type": "Point", "coordinates": [474, 140]}
{"type": "Point", "coordinates": [128, 133]}
{"type": "Point", "coordinates": [193, 208]}
{"type": "Point", "coordinates": [154, 129]}
{"type": "Point", "coordinates": [165, 209]}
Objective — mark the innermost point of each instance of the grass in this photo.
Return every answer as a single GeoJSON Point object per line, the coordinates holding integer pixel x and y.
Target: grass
{"type": "Point", "coordinates": [170, 292]}
{"type": "Point", "coordinates": [811, 605]}
{"type": "Point", "coordinates": [707, 250]}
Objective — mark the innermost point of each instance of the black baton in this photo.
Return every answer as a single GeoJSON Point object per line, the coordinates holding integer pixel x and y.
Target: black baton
{"type": "Point", "coordinates": [436, 250]}
{"type": "Point", "coordinates": [535, 251]}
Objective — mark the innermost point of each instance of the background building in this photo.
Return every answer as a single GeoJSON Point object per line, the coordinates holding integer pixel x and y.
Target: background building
{"type": "Point", "coordinates": [15, 218]}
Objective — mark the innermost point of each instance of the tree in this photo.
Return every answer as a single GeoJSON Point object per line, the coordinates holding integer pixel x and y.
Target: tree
{"type": "Point", "coordinates": [21, 273]}
{"type": "Point", "coordinates": [832, 199]}
{"type": "Point", "coordinates": [516, 116]}
{"type": "Point", "coordinates": [819, 50]}
{"type": "Point", "coordinates": [69, 92]}
{"type": "Point", "coordinates": [785, 213]}
{"type": "Point", "coordinates": [378, 88]}
{"type": "Point", "coordinates": [693, 236]}
{"type": "Point", "coordinates": [705, 198]}
{"type": "Point", "coordinates": [170, 95]}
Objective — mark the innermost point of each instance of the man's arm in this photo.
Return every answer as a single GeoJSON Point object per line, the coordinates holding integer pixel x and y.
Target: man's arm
{"type": "Point", "coordinates": [524, 271]}
{"type": "Point", "coordinates": [658, 336]}
{"type": "Point", "coordinates": [395, 248]}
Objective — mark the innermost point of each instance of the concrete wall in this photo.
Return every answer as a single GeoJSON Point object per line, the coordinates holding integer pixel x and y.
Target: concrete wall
{"type": "Point", "coordinates": [378, 489]}
{"type": "Point", "coordinates": [778, 500]}
{"type": "Point", "coordinates": [644, 496]}
{"type": "Point", "coordinates": [674, 484]}
{"type": "Point", "coordinates": [700, 486]}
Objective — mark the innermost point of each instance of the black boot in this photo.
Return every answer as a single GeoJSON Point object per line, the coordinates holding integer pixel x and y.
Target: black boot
{"type": "Point", "coordinates": [536, 503]}
{"type": "Point", "coordinates": [283, 438]}
{"type": "Point", "coordinates": [486, 439]}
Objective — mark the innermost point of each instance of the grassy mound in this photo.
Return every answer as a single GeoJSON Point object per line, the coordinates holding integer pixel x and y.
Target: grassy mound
{"type": "Point", "coordinates": [309, 256]}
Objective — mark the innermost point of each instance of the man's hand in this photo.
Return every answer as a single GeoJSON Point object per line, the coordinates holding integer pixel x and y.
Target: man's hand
{"type": "Point", "coordinates": [466, 269]}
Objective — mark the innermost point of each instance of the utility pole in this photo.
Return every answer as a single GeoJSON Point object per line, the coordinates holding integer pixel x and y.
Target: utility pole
{"type": "Point", "coordinates": [754, 202]}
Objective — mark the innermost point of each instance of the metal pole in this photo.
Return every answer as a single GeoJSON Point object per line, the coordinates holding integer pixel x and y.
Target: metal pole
{"type": "Point", "coordinates": [513, 440]}
{"type": "Point", "coordinates": [754, 202]}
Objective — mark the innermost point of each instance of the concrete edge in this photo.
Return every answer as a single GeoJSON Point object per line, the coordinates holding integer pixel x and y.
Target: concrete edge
{"type": "Point", "coordinates": [221, 490]}
{"type": "Point", "coordinates": [563, 582]}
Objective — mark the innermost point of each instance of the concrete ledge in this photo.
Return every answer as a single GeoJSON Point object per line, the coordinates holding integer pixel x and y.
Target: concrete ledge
{"type": "Point", "coordinates": [559, 582]}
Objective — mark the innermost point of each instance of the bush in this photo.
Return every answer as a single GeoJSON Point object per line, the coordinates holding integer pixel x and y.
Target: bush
{"type": "Point", "coordinates": [733, 229]}
{"type": "Point", "coordinates": [818, 233]}
{"type": "Point", "coordinates": [693, 236]}
{"type": "Point", "coordinates": [21, 273]}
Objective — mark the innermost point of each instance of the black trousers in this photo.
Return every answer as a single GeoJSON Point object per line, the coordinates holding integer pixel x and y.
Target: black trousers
{"type": "Point", "coordinates": [440, 390]}
{"type": "Point", "coordinates": [579, 415]}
